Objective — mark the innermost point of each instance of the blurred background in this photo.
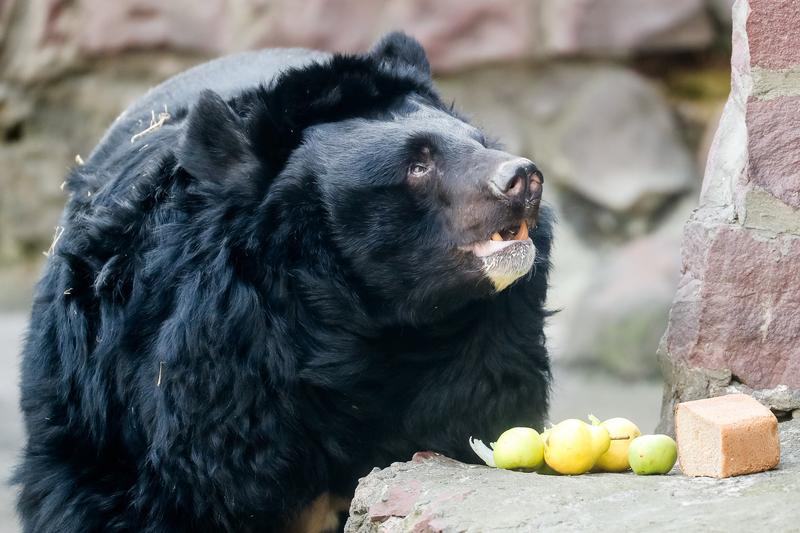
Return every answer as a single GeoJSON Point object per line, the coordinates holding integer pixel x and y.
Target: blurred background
{"type": "Point", "coordinates": [616, 100]}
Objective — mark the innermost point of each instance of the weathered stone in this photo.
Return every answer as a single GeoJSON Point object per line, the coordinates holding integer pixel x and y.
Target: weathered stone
{"type": "Point", "coordinates": [454, 497]}
{"type": "Point", "coordinates": [455, 34]}
{"type": "Point", "coordinates": [341, 25]}
{"type": "Point", "coordinates": [619, 319]}
{"type": "Point", "coordinates": [37, 47]}
{"type": "Point", "coordinates": [107, 27]}
{"type": "Point", "coordinates": [743, 313]}
{"type": "Point", "coordinates": [765, 212]}
{"type": "Point", "coordinates": [458, 33]}
{"type": "Point", "coordinates": [619, 145]}
{"type": "Point", "coordinates": [774, 41]}
{"type": "Point", "coordinates": [768, 84]}
{"type": "Point", "coordinates": [773, 146]}
{"type": "Point", "coordinates": [737, 308]}
{"type": "Point", "coordinates": [622, 27]}
{"type": "Point", "coordinates": [781, 400]}
{"type": "Point", "coordinates": [684, 383]}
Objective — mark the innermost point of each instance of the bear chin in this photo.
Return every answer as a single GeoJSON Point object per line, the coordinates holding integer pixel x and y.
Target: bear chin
{"type": "Point", "coordinates": [510, 263]}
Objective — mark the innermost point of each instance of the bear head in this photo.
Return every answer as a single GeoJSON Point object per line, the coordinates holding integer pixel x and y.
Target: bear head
{"type": "Point", "coordinates": [424, 211]}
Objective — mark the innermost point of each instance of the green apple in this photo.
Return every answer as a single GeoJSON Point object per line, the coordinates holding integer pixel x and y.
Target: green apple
{"type": "Point", "coordinates": [652, 454]}
{"type": "Point", "coordinates": [519, 448]}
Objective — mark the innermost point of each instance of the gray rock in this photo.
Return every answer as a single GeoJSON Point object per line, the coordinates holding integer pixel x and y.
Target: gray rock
{"type": "Point", "coordinates": [434, 493]}
{"type": "Point", "coordinates": [619, 319]}
{"type": "Point", "coordinates": [619, 145]}
{"type": "Point", "coordinates": [623, 27]}
{"type": "Point", "coordinates": [613, 299]}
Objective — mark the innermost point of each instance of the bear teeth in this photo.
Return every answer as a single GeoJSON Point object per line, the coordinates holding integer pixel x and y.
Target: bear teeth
{"type": "Point", "coordinates": [511, 234]}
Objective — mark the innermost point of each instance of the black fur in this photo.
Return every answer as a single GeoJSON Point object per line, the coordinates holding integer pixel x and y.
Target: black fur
{"type": "Point", "coordinates": [253, 305]}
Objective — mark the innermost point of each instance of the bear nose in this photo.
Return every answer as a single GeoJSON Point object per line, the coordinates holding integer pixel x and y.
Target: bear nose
{"type": "Point", "coordinates": [518, 180]}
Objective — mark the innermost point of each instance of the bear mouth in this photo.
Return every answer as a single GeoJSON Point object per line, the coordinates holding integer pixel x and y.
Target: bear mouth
{"type": "Point", "coordinates": [506, 255]}
{"type": "Point", "coordinates": [501, 240]}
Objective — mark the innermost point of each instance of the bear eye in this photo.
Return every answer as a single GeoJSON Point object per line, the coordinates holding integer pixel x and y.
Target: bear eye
{"type": "Point", "coordinates": [417, 170]}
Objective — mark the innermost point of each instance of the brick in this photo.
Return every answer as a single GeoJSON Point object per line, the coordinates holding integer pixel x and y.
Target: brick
{"type": "Point", "coordinates": [773, 139]}
{"type": "Point", "coordinates": [726, 436]}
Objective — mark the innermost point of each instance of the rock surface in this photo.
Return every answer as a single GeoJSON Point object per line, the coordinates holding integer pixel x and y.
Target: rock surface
{"type": "Point", "coordinates": [620, 316]}
{"type": "Point", "coordinates": [437, 494]}
{"type": "Point", "coordinates": [457, 33]}
{"type": "Point", "coordinates": [735, 320]}
{"type": "Point", "coordinates": [620, 27]}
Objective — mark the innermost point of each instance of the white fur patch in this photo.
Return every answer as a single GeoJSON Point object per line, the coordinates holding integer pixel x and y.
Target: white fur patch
{"type": "Point", "coordinates": [507, 266]}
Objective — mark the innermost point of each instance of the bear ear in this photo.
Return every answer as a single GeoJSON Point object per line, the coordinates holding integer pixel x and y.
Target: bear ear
{"type": "Point", "coordinates": [214, 144]}
{"type": "Point", "coordinates": [399, 48]}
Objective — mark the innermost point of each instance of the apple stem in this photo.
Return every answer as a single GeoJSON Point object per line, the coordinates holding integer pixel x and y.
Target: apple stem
{"type": "Point", "coordinates": [620, 438]}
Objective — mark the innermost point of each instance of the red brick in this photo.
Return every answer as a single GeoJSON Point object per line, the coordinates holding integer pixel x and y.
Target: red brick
{"type": "Point", "coordinates": [773, 128]}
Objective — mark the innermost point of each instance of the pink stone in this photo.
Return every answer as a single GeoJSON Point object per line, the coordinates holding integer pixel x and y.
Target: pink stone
{"type": "Point", "coordinates": [430, 524]}
{"type": "Point", "coordinates": [773, 128]}
{"type": "Point", "coordinates": [420, 457]}
{"type": "Point", "coordinates": [459, 33]}
{"type": "Point", "coordinates": [333, 25]}
{"type": "Point", "coordinates": [399, 501]}
{"type": "Point", "coordinates": [623, 27]}
{"type": "Point", "coordinates": [455, 33]}
{"type": "Point", "coordinates": [773, 29]}
{"type": "Point", "coordinates": [103, 27]}
{"type": "Point", "coordinates": [738, 307]}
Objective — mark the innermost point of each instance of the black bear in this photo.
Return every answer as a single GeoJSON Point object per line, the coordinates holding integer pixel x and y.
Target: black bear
{"type": "Point", "coordinates": [306, 266]}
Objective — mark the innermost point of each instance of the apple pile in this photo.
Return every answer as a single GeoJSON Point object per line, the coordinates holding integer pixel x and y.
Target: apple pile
{"type": "Point", "coordinates": [574, 447]}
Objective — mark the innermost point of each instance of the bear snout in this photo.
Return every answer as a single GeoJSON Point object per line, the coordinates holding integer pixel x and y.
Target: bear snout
{"type": "Point", "coordinates": [518, 181]}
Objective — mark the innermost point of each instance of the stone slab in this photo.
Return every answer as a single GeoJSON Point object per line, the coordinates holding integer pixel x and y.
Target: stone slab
{"type": "Point", "coordinates": [453, 497]}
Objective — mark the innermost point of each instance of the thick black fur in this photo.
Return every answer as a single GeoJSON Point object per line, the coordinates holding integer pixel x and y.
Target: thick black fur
{"type": "Point", "coordinates": [253, 305]}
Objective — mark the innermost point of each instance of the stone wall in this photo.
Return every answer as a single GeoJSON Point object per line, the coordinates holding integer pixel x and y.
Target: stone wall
{"type": "Point", "coordinates": [735, 320]}
{"type": "Point", "coordinates": [611, 97]}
